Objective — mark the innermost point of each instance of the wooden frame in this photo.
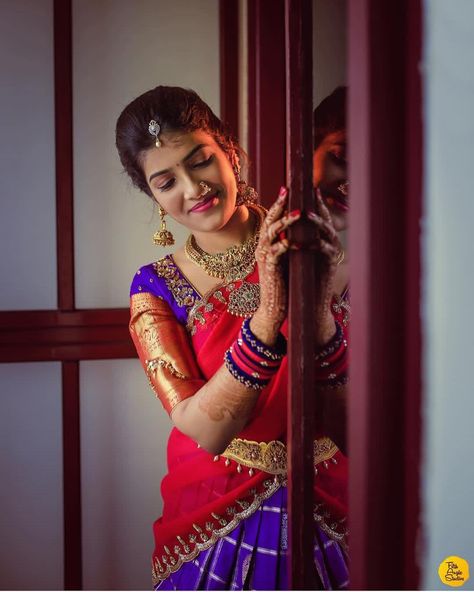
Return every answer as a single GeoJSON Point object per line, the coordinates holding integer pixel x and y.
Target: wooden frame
{"type": "Point", "coordinates": [302, 402]}
{"type": "Point", "coordinates": [384, 405]}
{"type": "Point", "coordinates": [266, 97]}
{"type": "Point", "coordinates": [385, 117]}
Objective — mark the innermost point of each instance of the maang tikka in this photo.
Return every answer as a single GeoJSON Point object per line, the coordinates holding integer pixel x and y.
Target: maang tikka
{"type": "Point", "coordinates": [154, 129]}
{"type": "Point", "coordinates": [163, 237]}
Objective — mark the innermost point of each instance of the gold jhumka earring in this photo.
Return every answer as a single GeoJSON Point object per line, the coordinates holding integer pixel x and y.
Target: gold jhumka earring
{"type": "Point", "coordinates": [245, 193]}
{"type": "Point", "coordinates": [163, 237]}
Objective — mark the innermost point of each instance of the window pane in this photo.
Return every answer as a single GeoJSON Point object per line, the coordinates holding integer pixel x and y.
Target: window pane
{"type": "Point", "coordinates": [124, 431]}
{"type": "Point", "coordinates": [31, 523]}
{"type": "Point", "coordinates": [27, 162]}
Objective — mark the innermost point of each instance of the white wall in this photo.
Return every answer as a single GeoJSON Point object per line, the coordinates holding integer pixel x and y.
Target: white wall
{"type": "Point", "coordinates": [31, 492]}
{"type": "Point", "coordinates": [122, 49]}
{"type": "Point", "coordinates": [123, 458]}
{"type": "Point", "coordinates": [27, 167]}
{"type": "Point", "coordinates": [448, 285]}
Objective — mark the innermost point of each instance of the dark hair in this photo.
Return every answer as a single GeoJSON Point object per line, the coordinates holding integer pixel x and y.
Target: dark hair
{"type": "Point", "coordinates": [330, 115]}
{"type": "Point", "coordinates": [175, 109]}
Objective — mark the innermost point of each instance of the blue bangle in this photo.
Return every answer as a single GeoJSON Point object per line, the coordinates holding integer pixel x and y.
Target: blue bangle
{"type": "Point", "coordinates": [272, 353]}
{"type": "Point", "coordinates": [242, 376]}
{"type": "Point", "coordinates": [333, 344]}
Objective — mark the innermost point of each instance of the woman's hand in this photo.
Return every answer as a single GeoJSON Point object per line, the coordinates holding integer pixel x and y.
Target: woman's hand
{"type": "Point", "coordinates": [329, 249]}
{"type": "Point", "coordinates": [272, 244]}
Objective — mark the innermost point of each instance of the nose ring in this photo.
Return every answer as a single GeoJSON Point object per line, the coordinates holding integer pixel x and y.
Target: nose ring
{"type": "Point", "coordinates": [205, 188]}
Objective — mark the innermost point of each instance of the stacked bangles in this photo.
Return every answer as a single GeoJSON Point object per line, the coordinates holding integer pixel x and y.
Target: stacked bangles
{"type": "Point", "coordinates": [332, 362]}
{"type": "Point", "coordinates": [252, 362]}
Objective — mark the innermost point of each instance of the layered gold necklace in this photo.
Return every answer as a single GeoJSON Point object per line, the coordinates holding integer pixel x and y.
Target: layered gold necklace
{"type": "Point", "coordinates": [233, 264]}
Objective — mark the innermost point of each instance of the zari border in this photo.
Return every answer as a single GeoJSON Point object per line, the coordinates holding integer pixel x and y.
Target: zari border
{"type": "Point", "coordinates": [173, 561]}
{"type": "Point", "coordinates": [183, 292]}
{"type": "Point", "coordinates": [336, 530]}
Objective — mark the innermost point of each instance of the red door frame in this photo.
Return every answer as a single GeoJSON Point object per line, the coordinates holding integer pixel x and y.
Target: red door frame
{"type": "Point", "coordinates": [385, 155]}
{"type": "Point", "coordinates": [385, 117]}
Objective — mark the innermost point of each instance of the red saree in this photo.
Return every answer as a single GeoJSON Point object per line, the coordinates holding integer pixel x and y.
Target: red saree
{"type": "Point", "coordinates": [204, 496]}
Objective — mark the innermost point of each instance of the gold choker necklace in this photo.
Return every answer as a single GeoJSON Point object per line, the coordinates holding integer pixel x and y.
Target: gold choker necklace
{"type": "Point", "coordinates": [233, 264]}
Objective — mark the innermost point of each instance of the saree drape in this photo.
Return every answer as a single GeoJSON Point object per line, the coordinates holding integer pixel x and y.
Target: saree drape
{"type": "Point", "coordinates": [181, 338]}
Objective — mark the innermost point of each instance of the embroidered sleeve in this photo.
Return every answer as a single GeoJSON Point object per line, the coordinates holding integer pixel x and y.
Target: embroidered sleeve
{"type": "Point", "coordinates": [164, 350]}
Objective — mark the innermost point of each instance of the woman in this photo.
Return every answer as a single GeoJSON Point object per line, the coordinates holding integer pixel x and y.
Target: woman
{"type": "Point", "coordinates": [330, 178]}
{"type": "Point", "coordinates": [209, 326]}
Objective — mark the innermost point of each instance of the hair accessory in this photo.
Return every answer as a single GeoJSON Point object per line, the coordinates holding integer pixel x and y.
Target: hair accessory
{"type": "Point", "coordinates": [163, 237]}
{"type": "Point", "coordinates": [344, 188]}
{"type": "Point", "coordinates": [154, 129]}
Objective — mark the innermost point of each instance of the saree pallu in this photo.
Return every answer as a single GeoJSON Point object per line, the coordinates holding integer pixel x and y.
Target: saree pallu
{"type": "Point", "coordinates": [206, 497]}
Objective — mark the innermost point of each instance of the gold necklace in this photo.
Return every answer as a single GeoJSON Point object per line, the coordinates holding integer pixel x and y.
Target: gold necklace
{"type": "Point", "coordinates": [236, 262]}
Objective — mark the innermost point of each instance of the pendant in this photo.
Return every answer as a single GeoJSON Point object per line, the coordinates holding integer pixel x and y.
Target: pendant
{"type": "Point", "coordinates": [245, 300]}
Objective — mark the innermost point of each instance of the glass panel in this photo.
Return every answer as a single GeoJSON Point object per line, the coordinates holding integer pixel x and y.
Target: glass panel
{"type": "Point", "coordinates": [27, 170]}
{"type": "Point", "coordinates": [31, 553]}
{"type": "Point", "coordinates": [124, 431]}
{"type": "Point", "coordinates": [329, 47]}
{"type": "Point", "coordinates": [123, 52]}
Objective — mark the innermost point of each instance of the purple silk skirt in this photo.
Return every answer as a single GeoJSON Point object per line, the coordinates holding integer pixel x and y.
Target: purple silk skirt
{"type": "Point", "coordinates": [254, 556]}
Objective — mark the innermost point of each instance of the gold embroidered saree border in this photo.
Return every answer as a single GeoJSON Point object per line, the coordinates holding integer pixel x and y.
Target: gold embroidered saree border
{"type": "Point", "coordinates": [171, 561]}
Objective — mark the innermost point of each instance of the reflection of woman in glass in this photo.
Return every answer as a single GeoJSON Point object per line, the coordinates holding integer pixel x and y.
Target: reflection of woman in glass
{"type": "Point", "coordinates": [209, 325]}
{"type": "Point", "coordinates": [331, 182]}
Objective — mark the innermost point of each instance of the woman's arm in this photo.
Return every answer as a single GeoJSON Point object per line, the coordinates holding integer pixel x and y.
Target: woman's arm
{"type": "Point", "coordinates": [332, 414]}
{"type": "Point", "coordinates": [212, 413]}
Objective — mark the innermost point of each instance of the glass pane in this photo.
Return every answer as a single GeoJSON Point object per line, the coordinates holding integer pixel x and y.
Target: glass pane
{"type": "Point", "coordinates": [31, 553]}
{"type": "Point", "coordinates": [329, 47]}
{"type": "Point", "coordinates": [123, 51]}
{"type": "Point", "coordinates": [27, 169]}
{"type": "Point", "coordinates": [124, 431]}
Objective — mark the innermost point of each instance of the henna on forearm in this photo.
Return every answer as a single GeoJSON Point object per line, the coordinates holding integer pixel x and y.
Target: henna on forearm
{"type": "Point", "coordinates": [225, 397]}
